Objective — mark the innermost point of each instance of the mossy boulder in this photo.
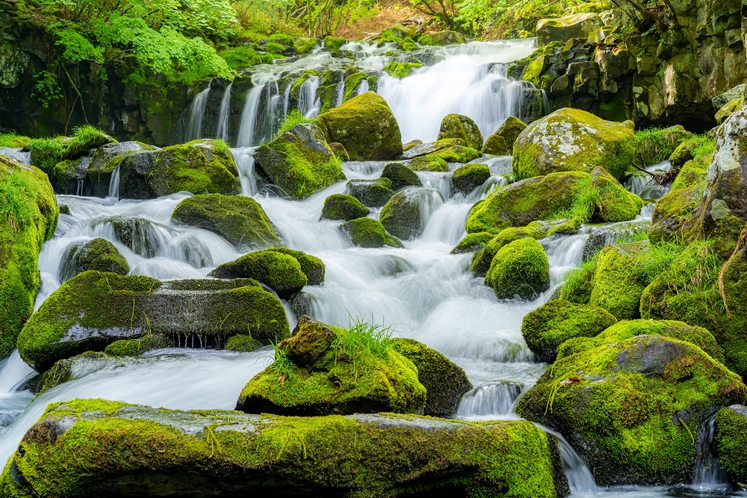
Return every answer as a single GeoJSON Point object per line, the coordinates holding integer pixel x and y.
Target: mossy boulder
{"type": "Point", "coordinates": [509, 131]}
{"type": "Point", "coordinates": [631, 408]}
{"type": "Point", "coordinates": [618, 280]}
{"type": "Point", "coordinates": [367, 232]}
{"type": "Point", "coordinates": [469, 177]}
{"type": "Point", "coordinates": [612, 202]}
{"type": "Point", "coordinates": [692, 148]}
{"type": "Point", "coordinates": [403, 216]}
{"type": "Point", "coordinates": [280, 272]}
{"type": "Point", "coordinates": [442, 38]}
{"type": "Point", "coordinates": [520, 268]}
{"type": "Point", "coordinates": [496, 146]}
{"type": "Point", "coordinates": [28, 217]}
{"type": "Point", "coordinates": [562, 29]}
{"type": "Point", "coordinates": [323, 370]}
{"type": "Point", "coordinates": [228, 452]}
{"type": "Point", "coordinates": [343, 207]}
{"type": "Point", "coordinates": [95, 309]}
{"type": "Point", "coordinates": [96, 254]}
{"type": "Point", "coordinates": [199, 167]}
{"type": "Point", "coordinates": [626, 329]}
{"type": "Point", "coordinates": [456, 154]}
{"type": "Point", "coordinates": [573, 140]}
{"type": "Point", "coordinates": [731, 440]}
{"type": "Point", "coordinates": [104, 162]}
{"type": "Point", "coordinates": [47, 152]}
{"type": "Point", "coordinates": [67, 176]}
{"type": "Point", "coordinates": [462, 127]}
{"type": "Point", "coordinates": [658, 144]}
{"type": "Point", "coordinates": [444, 381]}
{"type": "Point", "coordinates": [371, 193]}
{"type": "Point", "coordinates": [473, 242]}
{"type": "Point", "coordinates": [401, 70]}
{"type": "Point", "coordinates": [672, 211]}
{"type": "Point", "coordinates": [300, 161]}
{"type": "Point", "coordinates": [365, 126]}
{"type": "Point", "coordinates": [136, 347]}
{"type": "Point", "coordinates": [400, 176]}
{"type": "Point", "coordinates": [240, 220]}
{"type": "Point", "coordinates": [484, 257]}
{"type": "Point", "coordinates": [134, 169]}
{"type": "Point", "coordinates": [416, 148]}
{"type": "Point", "coordinates": [429, 163]}
{"type": "Point", "coordinates": [242, 343]}
{"type": "Point", "coordinates": [550, 325]}
{"type": "Point", "coordinates": [728, 109]}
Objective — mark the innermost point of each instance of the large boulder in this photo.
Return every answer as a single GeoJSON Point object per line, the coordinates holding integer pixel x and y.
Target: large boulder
{"type": "Point", "coordinates": [484, 257]}
{"type": "Point", "coordinates": [365, 126]}
{"type": "Point", "coordinates": [323, 370]}
{"type": "Point", "coordinates": [564, 28]}
{"type": "Point", "coordinates": [550, 325]}
{"type": "Point", "coordinates": [28, 212]}
{"type": "Point", "coordinates": [240, 220]}
{"type": "Point", "coordinates": [722, 211]}
{"type": "Point", "coordinates": [632, 408]}
{"type": "Point", "coordinates": [520, 268]}
{"type": "Point", "coordinates": [96, 254]}
{"type": "Point", "coordinates": [343, 207]}
{"type": "Point", "coordinates": [444, 381]}
{"type": "Point", "coordinates": [462, 127]}
{"type": "Point", "coordinates": [279, 269]}
{"type": "Point", "coordinates": [731, 441]}
{"type": "Point", "coordinates": [619, 279]}
{"type": "Point", "coordinates": [502, 141]}
{"type": "Point", "coordinates": [110, 448]}
{"type": "Point", "coordinates": [574, 140]}
{"type": "Point", "coordinates": [469, 177]}
{"type": "Point", "coordinates": [94, 309]}
{"type": "Point", "coordinates": [299, 161]}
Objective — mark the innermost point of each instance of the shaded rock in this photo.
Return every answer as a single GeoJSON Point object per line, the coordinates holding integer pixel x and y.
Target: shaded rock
{"type": "Point", "coordinates": [400, 176]}
{"type": "Point", "coordinates": [371, 193]}
{"type": "Point", "coordinates": [105, 160]}
{"type": "Point", "coordinates": [509, 131]}
{"type": "Point", "coordinates": [731, 440]}
{"type": "Point", "coordinates": [406, 214]}
{"type": "Point", "coordinates": [571, 26]}
{"type": "Point", "coordinates": [367, 232]}
{"type": "Point", "coordinates": [96, 254]}
{"type": "Point", "coordinates": [469, 177]}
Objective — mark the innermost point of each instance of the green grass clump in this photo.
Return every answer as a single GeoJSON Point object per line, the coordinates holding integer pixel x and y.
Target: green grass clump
{"type": "Point", "coordinates": [295, 117]}
{"type": "Point", "coordinates": [14, 141]}
{"type": "Point", "coordinates": [47, 152]}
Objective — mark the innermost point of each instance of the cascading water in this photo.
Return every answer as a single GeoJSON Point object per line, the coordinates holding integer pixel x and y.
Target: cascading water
{"type": "Point", "coordinates": [308, 103]}
{"type": "Point", "coordinates": [197, 114]}
{"type": "Point", "coordinates": [223, 114]}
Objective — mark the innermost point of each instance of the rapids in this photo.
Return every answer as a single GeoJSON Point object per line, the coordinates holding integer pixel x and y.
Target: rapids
{"type": "Point", "coordinates": [421, 291]}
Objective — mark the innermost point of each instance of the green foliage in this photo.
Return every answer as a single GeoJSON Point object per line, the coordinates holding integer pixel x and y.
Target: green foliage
{"type": "Point", "coordinates": [46, 88]}
{"type": "Point", "coordinates": [361, 343]}
{"type": "Point", "coordinates": [295, 117]}
{"type": "Point", "coordinates": [14, 141]}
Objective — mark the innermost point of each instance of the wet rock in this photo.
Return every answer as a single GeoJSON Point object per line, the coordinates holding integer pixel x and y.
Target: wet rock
{"type": "Point", "coordinates": [280, 272]}
{"type": "Point", "coordinates": [631, 408]}
{"type": "Point", "coordinates": [365, 126]}
{"type": "Point", "coordinates": [469, 177]}
{"type": "Point", "coordinates": [484, 257]}
{"type": "Point", "coordinates": [371, 193]}
{"type": "Point", "coordinates": [95, 309]}
{"type": "Point", "coordinates": [400, 176]}
{"type": "Point", "coordinates": [367, 232]}
{"type": "Point", "coordinates": [193, 454]}
{"type": "Point", "coordinates": [105, 160]}
{"type": "Point", "coordinates": [731, 429]}
{"type": "Point", "coordinates": [96, 254]}
{"type": "Point", "coordinates": [343, 207]}
{"type": "Point", "coordinates": [405, 215]}
{"type": "Point", "coordinates": [239, 220]}
{"type": "Point", "coordinates": [463, 128]}
{"type": "Point", "coordinates": [519, 269]}
{"type": "Point", "coordinates": [134, 169]}
{"type": "Point", "coordinates": [300, 161]}
{"type": "Point", "coordinates": [429, 163]}
{"type": "Point", "coordinates": [509, 131]}
{"type": "Point", "coordinates": [473, 242]}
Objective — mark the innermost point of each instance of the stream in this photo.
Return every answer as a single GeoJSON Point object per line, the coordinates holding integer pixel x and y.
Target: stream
{"type": "Point", "coordinates": [421, 291]}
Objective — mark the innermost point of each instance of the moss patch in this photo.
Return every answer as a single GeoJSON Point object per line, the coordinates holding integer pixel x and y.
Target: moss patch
{"type": "Point", "coordinates": [47, 152]}
{"type": "Point", "coordinates": [520, 268]}
{"type": "Point", "coordinates": [731, 440]}
{"type": "Point", "coordinates": [96, 254]}
{"type": "Point", "coordinates": [483, 258]}
{"type": "Point", "coordinates": [463, 128]}
{"type": "Point", "coordinates": [367, 232]}
{"type": "Point", "coordinates": [343, 207]}
{"type": "Point", "coordinates": [280, 272]}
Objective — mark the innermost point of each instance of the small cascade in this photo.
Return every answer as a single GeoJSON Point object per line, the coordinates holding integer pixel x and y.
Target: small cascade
{"type": "Point", "coordinates": [308, 104]}
{"type": "Point", "coordinates": [244, 159]}
{"type": "Point", "coordinates": [197, 114]}
{"type": "Point", "coordinates": [643, 184]}
{"type": "Point", "coordinates": [286, 97]}
{"type": "Point", "coordinates": [580, 479]}
{"type": "Point", "coordinates": [17, 154]}
{"type": "Point", "coordinates": [490, 399]}
{"type": "Point", "coordinates": [707, 473]}
{"type": "Point", "coordinates": [249, 117]}
{"type": "Point", "coordinates": [223, 114]}
{"type": "Point", "coordinates": [114, 183]}
{"type": "Point", "coordinates": [363, 87]}
{"type": "Point", "coordinates": [564, 254]}
{"type": "Point", "coordinates": [340, 91]}
{"type": "Point", "coordinates": [13, 374]}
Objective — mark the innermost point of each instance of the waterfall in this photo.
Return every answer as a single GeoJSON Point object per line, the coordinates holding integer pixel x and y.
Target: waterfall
{"type": "Point", "coordinates": [17, 154]}
{"type": "Point", "coordinates": [225, 107]}
{"type": "Point", "coordinates": [644, 186]}
{"type": "Point", "coordinates": [244, 159]}
{"type": "Point", "coordinates": [362, 87]}
{"type": "Point", "coordinates": [114, 183]}
{"type": "Point", "coordinates": [707, 473]}
{"type": "Point", "coordinates": [308, 103]}
{"type": "Point", "coordinates": [340, 91]}
{"type": "Point", "coordinates": [286, 97]}
{"type": "Point", "coordinates": [489, 400]}
{"type": "Point", "coordinates": [249, 117]}
{"type": "Point", "coordinates": [197, 114]}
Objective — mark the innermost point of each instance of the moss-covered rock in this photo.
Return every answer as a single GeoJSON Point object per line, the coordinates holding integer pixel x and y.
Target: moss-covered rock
{"type": "Point", "coordinates": [136, 347]}
{"type": "Point", "coordinates": [509, 131]}
{"type": "Point", "coordinates": [280, 272]}
{"type": "Point", "coordinates": [343, 207]}
{"type": "Point", "coordinates": [573, 140]}
{"type": "Point", "coordinates": [692, 148]}
{"type": "Point", "coordinates": [469, 177]}
{"type": "Point", "coordinates": [371, 193]}
{"type": "Point", "coordinates": [95, 309]}
{"type": "Point", "coordinates": [520, 268]}
{"type": "Point", "coordinates": [366, 127]}
{"type": "Point", "coordinates": [401, 70]}
{"type": "Point", "coordinates": [483, 258]}
{"type": "Point", "coordinates": [239, 220]}
{"type": "Point", "coordinates": [456, 154]}
{"type": "Point", "coordinates": [28, 217]}
{"type": "Point", "coordinates": [199, 167]}
{"type": "Point", "coordinates": [47, 152]}
{"type": "Point", "coordinates": [300, 161]}
{"type": "Point", "coordinates": [67, 176]}
{"type": "Point", "coordinates": [462, 127]}
{"type": "Point", "coordinates": [632, 408]}
{"type": "Point", "coordinates": [105, 160]}
{"type": "Point", "coordinates": [672, 211]}
{"type": "Point", "coordinates": [549, 326]}
{"type": "Point", "coordinates": [444, 381]}
{"type": "Point", "coordinates": [612, 202]}
{"type": "Point", "coordinates": [442, 38]}
{"type": "Point", "coordinates": [229, 452]}
{"type": "Point", "coordinates": [473, 242]}
{"type": "Point", "coordinates": [134, 169]}
{"type": "Point", "coordinates": [400, 176]}
{"type": "Point", "coordinates": [429, 163]}
{"type": "Point", "coordinates": [562, 29]}
{"type": "Point", "coordinates": [333, 43]}
{"type": "Point", "coordinates": [322, 370]}
{"type": "Point", "coordinates": [618, 281]}
{"type": "Point", "coordinates": [496, 145]}
{"type": "Point", "coordinates": [731, 440]}
{"type": "Point", "coordinates": [403, 215]}
{"type": "Point", "coordinates": [242, 343]}
{"type": "Point", "coordinates": [728, 109]}
{"type": "Point", "coordinates": [658, 144]}
{"type": "Point", "coordinates": [626, 329]}
{"type": "Point", "coordinates": [367, 232]}
{"type": "Point", "coordinates": [96, 254]}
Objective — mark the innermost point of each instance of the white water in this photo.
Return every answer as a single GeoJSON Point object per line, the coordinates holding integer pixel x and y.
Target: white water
{"type": "Point", "coordinates": [17, 154]}
{"type": "Point", "coordinates": [643, 185]}
{"type": "Point", "coordinates": [223, 113]}
{"type": "Point", "coordinates": [197, 114]}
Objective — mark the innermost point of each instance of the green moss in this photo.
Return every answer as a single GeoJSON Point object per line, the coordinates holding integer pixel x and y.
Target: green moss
{"type": "Point", "coordinates": [612, 202]}
{"type": "Point", "coordinates": [343, 207]}
{"type": "Point", "coordinates": [632, 328]}
{"type": "Point", "coordinates": [535, 69]}
{"type": "Point", "coordinates": [456, 154]}
{"type": "Point", "coordinates": [97, 254]}
{"type": "Point", "coordinates": [199, 167]}
{"type": "Point", "coordinates": [353, 81]}
{"type": "Point", "coordinates": [444, 381]}
{"type": "Point", "coordinates": [654, 145]}
{"type": "Point", "coordinates": [469, 177]}
{"type": "Point", "coordinates": [47, 152]}
{"type": "Point", "coordinates": [463, 128]}
{"type": "Point", "coordinates": [333, 43]}
{"type": "Point", "coordinates": [579, 282]}
{"type": "Point", "coordinates": [496, 145]}
{"type": "Point", "coordinates": [14, 141]}
{"type": "Point", "coordinates": [573, 140]}
{"type": "Point", "coordinates": [240, 220]}
{"type": "Point", "coordinates": [311, 266]}
{"type": "Point", "coordinates": [28, 217]}
{"type": "Point", "coordinates": [429, 163]}
{"type": "Point", "coordinates": [274, 48]}
{"type": "Point", "coordinates": [693, 148]}
{"type": "Point", "coordinates": [552, 324]}
{"type": "Point", "coordinates": [300, 161]}
{"type": "Point", "coordinates": [442, 38]}
{"type": "Point", "coordinates": [280, 272]}
{"type": "Point", "coordinates": [401, 69]}
{"type": "Point", "coordinates": [366, 455]}
{"type": "Point", "coordinates": [400, 176]}
{"type": "Point", "coordinates": [509, 131]}
{"type": "Point", "coordinates": [243, 57]}
{"type": "Point", "coordinates": [136, 347]}
{"type": "Point", "coordinates": [294, 117]}
{"type": "Point", "coordinates": [520, 268]}
{"type": "Point", "coordinates": [473, 242]}
{"type": "Point", "coordinates": [482, 259]}
{"type": "Point", "coordinates": [372, 193]}
{"type": "Point", "coordinates": [672, 211]}
{"type": "Point", "coordinates": [304, 45]}
{"type": "Point", "coordinates": [731, 440]}
{"type": "Point", "coordinates": [401, 216]}
{"type": "Point", "coordinates": [367, 232]}
{"type": "Point", "coordinates": [242, 343]}
{"type": "Point", "coordinates": [365, 126]}
{"type": "Point", "coordinates": [632, 408]}
{"type": "Point", "coordinates": [618, 280]}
